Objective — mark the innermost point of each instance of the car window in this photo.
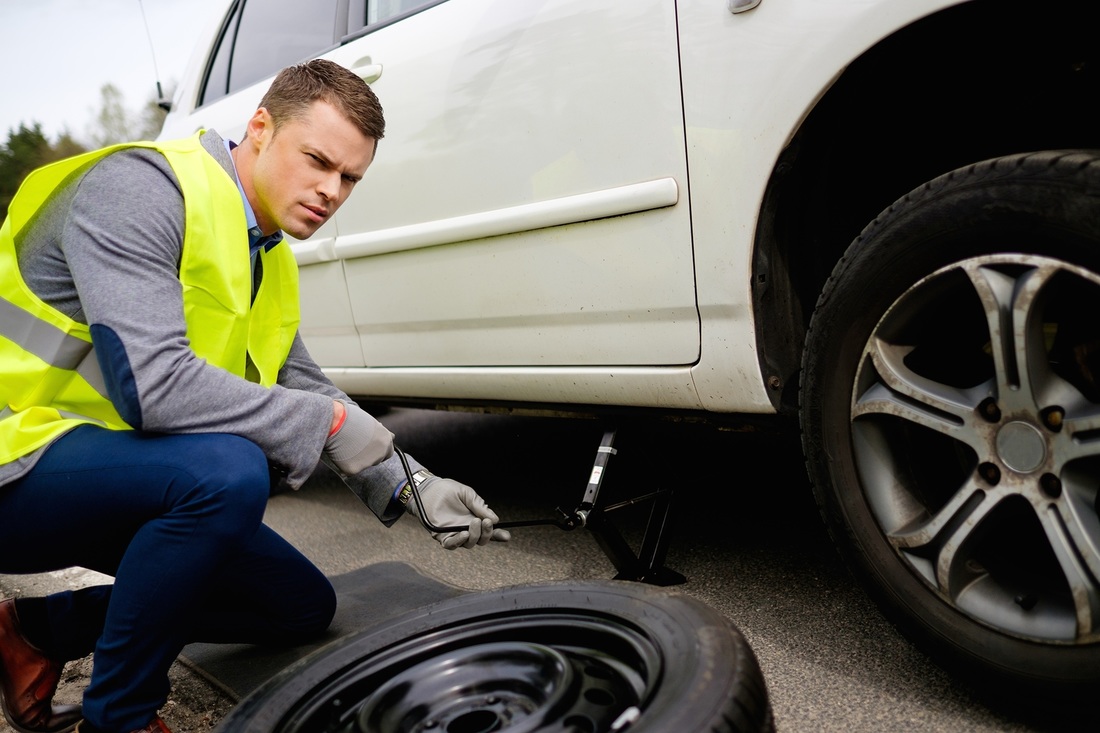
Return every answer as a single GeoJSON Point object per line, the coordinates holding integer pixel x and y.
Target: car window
{"type": "Point", "coordinates": [363, 14]}
{"type": "Point", "coordinates": [380, 10]}
{"type": "Point", "coordinates": [262, 36]}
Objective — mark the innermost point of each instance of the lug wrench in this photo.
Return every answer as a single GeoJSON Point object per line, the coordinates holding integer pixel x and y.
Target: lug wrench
{"type": "Point", "coordinates": [565, 521]}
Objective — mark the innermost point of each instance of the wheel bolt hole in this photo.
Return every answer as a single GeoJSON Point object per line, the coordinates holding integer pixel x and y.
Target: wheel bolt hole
{"type": "Point", "coordinates": [1051, 485]}
{"type": "Point", "coordinates": [580, 724]}
{"type": "Point", "coordinates": [990, 473]}
{"type": "Point", "coordinates": [1052, 418]}
{"type": "Point", "coordinates": [989, 410]}
{"type": "Point", "coordinates": [477, 721]}
{"type": "Point", "coordinates": [596, 696]}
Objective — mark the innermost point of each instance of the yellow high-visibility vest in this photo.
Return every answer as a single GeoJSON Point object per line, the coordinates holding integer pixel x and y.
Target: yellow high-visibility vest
{"type": "Point", "coordinates": [50, 380]}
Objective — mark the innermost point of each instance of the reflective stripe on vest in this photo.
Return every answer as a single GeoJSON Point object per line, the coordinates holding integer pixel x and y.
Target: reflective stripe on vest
{"type": "Point", "coordinates": [51, 344]}
{"type": "Point", "coordinates": [50, 380]}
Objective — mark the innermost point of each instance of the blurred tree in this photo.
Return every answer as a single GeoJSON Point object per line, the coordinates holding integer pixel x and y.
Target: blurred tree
{"type": "Point", "coordinates": [152, 119]}
{"type": "Point", "coordinates": [66, 146]}
{"type": "Point", "coordinates": [26, 149]}
{"type": "Point", "coordinates": [112, 123]}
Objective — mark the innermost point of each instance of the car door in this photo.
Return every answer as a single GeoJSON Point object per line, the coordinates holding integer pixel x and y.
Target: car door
{"type": "Point", "coordinates": [528, 205]}
{"type": "Point", "coordinates": [247, 46]}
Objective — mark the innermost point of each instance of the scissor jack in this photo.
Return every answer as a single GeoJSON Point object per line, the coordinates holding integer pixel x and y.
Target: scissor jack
{"type": "Point", "coordinates": [647, 565]}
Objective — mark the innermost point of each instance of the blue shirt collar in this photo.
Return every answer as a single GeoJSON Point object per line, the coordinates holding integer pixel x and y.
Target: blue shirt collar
{"type": "Point", "coordinates": [256, 238]}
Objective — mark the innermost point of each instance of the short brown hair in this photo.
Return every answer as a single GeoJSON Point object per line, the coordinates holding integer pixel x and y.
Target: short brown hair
{"type": "Point", "coordinates": [296, 88]}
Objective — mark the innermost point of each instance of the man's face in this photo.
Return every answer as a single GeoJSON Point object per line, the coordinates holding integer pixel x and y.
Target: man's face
{"type": "Point", "coordinates": [301, 176]}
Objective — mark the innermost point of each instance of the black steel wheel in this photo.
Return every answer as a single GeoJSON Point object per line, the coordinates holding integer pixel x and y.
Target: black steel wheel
{"type": "Point", "coordinates": [583, 657]}
{"type": "Point", "coordinates": [951, 419]}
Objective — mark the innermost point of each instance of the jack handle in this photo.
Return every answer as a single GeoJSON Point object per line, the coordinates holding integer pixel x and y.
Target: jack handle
{"type": "Point", "coordinates": [578, 518]}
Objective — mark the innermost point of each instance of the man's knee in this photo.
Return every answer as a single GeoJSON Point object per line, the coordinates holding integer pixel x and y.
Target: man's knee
{"type": "Point", "coordinates": [313, 615]}
{"type": "Point", "coordinates": [231, 480]}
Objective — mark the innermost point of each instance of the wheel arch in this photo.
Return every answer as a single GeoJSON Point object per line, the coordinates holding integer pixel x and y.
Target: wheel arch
{"type": "Point", "coordinates": [975, 81]}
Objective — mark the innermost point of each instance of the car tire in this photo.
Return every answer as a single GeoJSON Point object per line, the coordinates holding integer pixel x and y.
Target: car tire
{"type": "Point", "coordinates": [949, 413]}
{"type": "Point", "coordinates": [583, 656]}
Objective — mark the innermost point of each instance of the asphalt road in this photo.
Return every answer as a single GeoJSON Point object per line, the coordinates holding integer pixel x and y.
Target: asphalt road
{"type": "Point", "coordinates": [746, 537]}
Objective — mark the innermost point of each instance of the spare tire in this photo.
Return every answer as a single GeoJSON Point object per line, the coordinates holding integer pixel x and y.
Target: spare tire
{"type": "Point", "coordinates": [577, 656]}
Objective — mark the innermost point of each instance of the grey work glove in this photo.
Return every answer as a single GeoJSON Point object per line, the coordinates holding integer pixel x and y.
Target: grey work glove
{"type": "Point", "coordinates": [448, 503]}
{"type": "Point", "coordinates": [360, 443]}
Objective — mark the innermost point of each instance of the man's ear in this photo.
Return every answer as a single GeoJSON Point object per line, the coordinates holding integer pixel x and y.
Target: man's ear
{"type": "Point", "coordinates": [260, 128]}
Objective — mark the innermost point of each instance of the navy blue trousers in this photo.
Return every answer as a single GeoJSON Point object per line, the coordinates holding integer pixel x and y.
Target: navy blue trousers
{"type": "Point", "coordinates": [177, 521]}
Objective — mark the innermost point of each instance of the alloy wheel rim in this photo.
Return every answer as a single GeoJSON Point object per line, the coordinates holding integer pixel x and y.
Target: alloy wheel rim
{"type": "Point", "coordinates": [975, 423]}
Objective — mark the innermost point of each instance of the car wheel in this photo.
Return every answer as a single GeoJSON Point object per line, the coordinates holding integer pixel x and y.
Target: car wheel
{"type": "Point", "coordinates": [584, 656]}
{"type": "Point", "coordinates": [950, 407]}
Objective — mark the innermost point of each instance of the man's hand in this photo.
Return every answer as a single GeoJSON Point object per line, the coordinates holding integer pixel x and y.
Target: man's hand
{"type": "Point", "coordinates": [448, 503]}
{"type": "Point", "coordinates": [359, 441]}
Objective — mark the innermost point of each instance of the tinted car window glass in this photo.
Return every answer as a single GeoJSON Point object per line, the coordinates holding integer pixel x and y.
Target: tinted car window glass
{"type": "Point", "coordinates": [362, 13]}
{"type": "Point", "coordinates": [380, 10]}
{"type": "Point", "coordinates": [217, 79]}
{"type": "Point", "coordinates": [278, 33]}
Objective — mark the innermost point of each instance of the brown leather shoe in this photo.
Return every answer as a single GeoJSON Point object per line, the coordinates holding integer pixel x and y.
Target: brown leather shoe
{"type": "Point", "coordinates": [28, 681]}
{"type": "Point", "coordinates": [157, 726]}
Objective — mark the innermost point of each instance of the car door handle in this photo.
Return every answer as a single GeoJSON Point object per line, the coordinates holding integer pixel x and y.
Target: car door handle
{"type": "Point", "coordinates": [368, 72]}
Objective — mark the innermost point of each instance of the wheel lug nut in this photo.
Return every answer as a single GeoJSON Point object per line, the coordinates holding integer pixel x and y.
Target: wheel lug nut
{"type": "Point", "coordinates": [990, 473]}
{"type": "Point", "coordinates": [1053, 418]}
{"type": "Point", "coordinates": [1051, 485]}
{"type": "Point", "coordinates": [1026, 601]}
{"type": "Point", "coordinates": [989, 410]}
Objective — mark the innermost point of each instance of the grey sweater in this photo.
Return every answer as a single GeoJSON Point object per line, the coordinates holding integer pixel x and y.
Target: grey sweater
{"type": "Point", "coordinates": [106, 252]}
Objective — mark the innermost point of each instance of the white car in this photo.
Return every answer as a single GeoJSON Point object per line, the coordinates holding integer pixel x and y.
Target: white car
{"type": "Point", "coordinates": [879, 217]}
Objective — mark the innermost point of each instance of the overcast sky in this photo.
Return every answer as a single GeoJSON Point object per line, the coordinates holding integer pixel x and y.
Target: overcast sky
{"type": "Point", "coordinates": [56, 55]}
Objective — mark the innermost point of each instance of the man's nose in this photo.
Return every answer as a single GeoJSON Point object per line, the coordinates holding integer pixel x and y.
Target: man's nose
{"type": "Point", "coordinates": [329, 186]}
